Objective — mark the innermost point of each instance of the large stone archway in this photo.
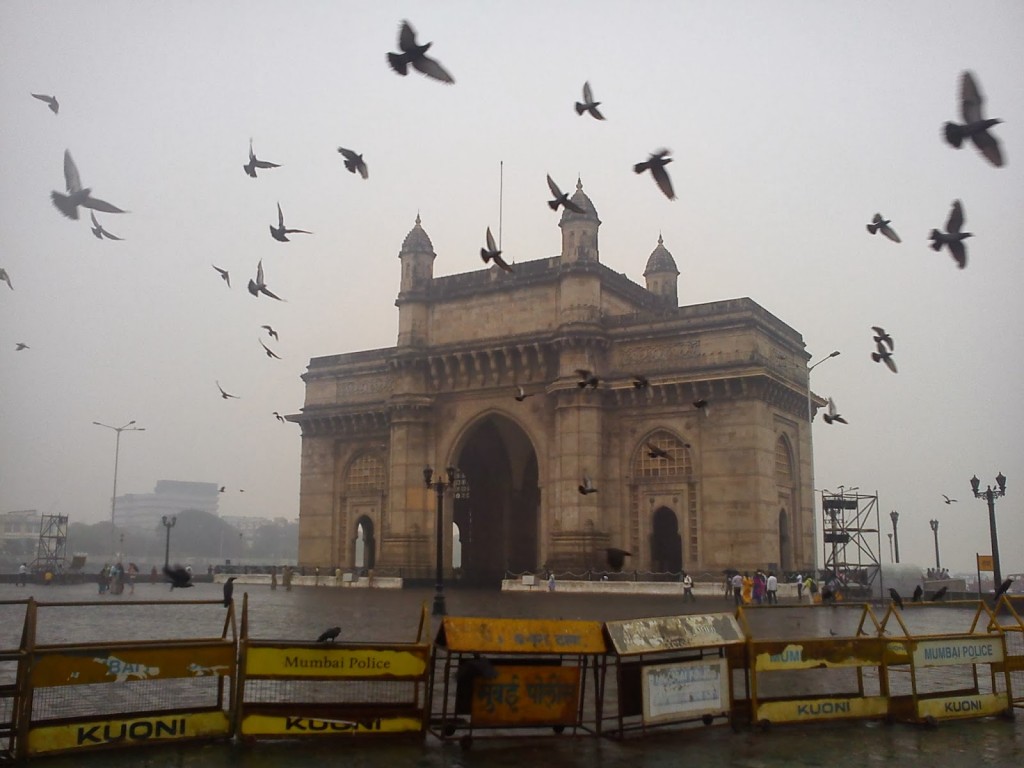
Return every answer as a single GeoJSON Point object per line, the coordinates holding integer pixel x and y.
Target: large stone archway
{"type": "Point", "coordinates": [497, 501]}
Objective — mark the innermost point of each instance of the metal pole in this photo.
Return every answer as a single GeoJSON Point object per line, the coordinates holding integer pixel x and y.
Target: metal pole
{"type": "Point", "coordinates": [997, 574]}
{"type": "Point", "coordinates": [167, 543]}
{"type": "Point", "coordinates": [810, 479]}
{"type": "Point", "coordinates": [439, 605]}
{"type": "Point", "coordinates": [891, 558]}
{"type": "Point", "coordinates": [935, 530]}
{"type": "Point", "coordinates": [895, 516]}
{"type": "Point", "coordinates": [113, 494]}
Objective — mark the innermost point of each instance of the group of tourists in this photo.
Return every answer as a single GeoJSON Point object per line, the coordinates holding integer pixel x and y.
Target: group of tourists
{"type": "Point", "coordinates": [761, 589]}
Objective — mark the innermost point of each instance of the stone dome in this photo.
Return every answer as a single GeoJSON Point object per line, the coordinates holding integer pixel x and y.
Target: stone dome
{"type": "Point", "coordinates": [660, 260]}
{"type": "Point", "coordinates": [417, 241]}
{"type": "Point", "coordinates": [580, 198]}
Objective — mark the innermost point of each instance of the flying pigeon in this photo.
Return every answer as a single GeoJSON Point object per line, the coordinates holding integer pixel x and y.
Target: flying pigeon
{"type": "Point", "coordinates": [279, 232]}
{"type": "Point", "coordinates": [270, 331]}
{"type": "Point", "coordinates": [896, 597]}
{"type": "Point", "coordinates": [354, 163]}
{"type": "Point", "coordinates": [279, 417]}
{"type": "Point", "coordinates": [881, 337]}
{"type": "Point", "coordinates": [77, 196]}
{"type": "Point", "coordinates": [521, 393]}
{"type": "Point", "coordinates": [51, 101]}
{"type": "Point", "coordinates": [99, 231]}
{"type": "Point", "coordinates": [415, 54]}
{"type": "Point", "coordinates": [560, 198]}
{"type": "Point", "coordinates": [640, 381]}
{"type": "Point", "coordinates": [329, 634]}
{"type": "Point", "coordinates": [223, 274]}
{"type": "Point", "coordinates": [224, 395]}
{"type": "Point", "coordinates": [20, 346]}
{"type": "Point", "coordinates": [270, 352]}
{"type": "Point", "coordinates": [229, 589]}
{"type": "Point", "coordinates": [616, 557]}
{"type": "Point", "coordinates": [587, 486]}
{"type": "Point", "coordinates": [883, 355]}
{"type": "Point", "coordinates": [655, 452]}
{"type": "Point", "coordinates": [941, 593]}
{"type": "Point", "coordinates": [831, 414]}
{"type": "Point", "coordinates": [258, 286]}
{"type": "Point", "coordinates": [656, 163]}
{"type": "Point", "coordinates": [918, 594]}
{"type": "Point", "coordinates": [587, 379]}
{"type": "Point", "coordinates": [947, 499]}
{"type": "Point", "coordinates": [491, 252]}
{"type": "Point", "coordinates": [588, 104]}
{"type": "Point", "coordinates": [878, 224]}
{"type": "Point", "coordinates": [1002, 589]}
{"type": "Point", "coordinates": [702, 405]}
{"type": "Point", "coordinates": [975, 126]}
{"type": "Point", "coordinates": [179, 577]}
{"type": "Point", "coordinates": [221, 489]}
{"type": "Point", "coordinates": [6, 278]}
{"type": "Point", "coordinates": [253, 164]}
{"type": "Point", "coordinates": [953, 237]}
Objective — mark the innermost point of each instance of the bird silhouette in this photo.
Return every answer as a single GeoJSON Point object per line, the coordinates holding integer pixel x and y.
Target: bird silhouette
{"type": "Point", "coordinates": [280, 233]}
{"type": "Point", "coordinates": [588, 104]}
{"type": "Point", "coordinates": [279, 417]}
{"type": "Point", "coordinates": [587, 379]}
{"type": "Point", "coordinates": [918, 594]}
{"type": "Point", "coordinates": [975, 127]}
{"type": "Point", "coordinates": [259, 285]}
{"type": "Point", "coordinates": [655, 452]}
{"type": "Point", "coordinates": [655, 163]}
{"type": "Point", "coordinates": [521, 393]}
{"type": "Point", "coordinates": [948, 500]}
{"type": "Point", "coordinates": [51, 101]}
{"type": "Point", "coordinates": [229, 590]}
{"type": "Point", "coordinates": [224, 395]}
{"type": "Point", "coordinates": [561, 198]}
{"type": "Point", "coordinates": [831, 414]}
{"type": "Point", "coordinates": [881, 337]}
{"type": "Point", "coordinates": [640, 381]}
{"type": "Point", "coordinates": [6, 278]}
{"type": "Point", "coordinates": [77, 195]}
{"type": "Point", "coordinates": [953, 238]}
{"type": "Point", "coordinates": [268, 350]}
{"type": "Point", "coordinates": [270, 332]}
{"type": "Point", "coordinates": [180, 578]}
{"type": "Point", "coordinates": [878, 224]}
{"type": "Point", "coordinates": [329, 635]}
{"type": "Point", "coordinates": [20, 346]}
{"type": "Point", "coordinates": [896, 597]}
{"type": "Point", "coordinates": [99, 231]}
{"type": "Point", "coordinates": [939, 594]}
{"type": "Point", "coordinates": [587, 487]}
{"type": "Point", "coordinates": [1002, 589]}
{"type": "Point", "coordinates": [883, 355]}
{"type": "Point", "coordinates": [354, 162]}
{"type": "Point", "coordinates": [616, 558]}
{"type": "Point", "coordinates": [221, 489]}
{"type": "Point", "coordinates": [223, 274]}
{"type": "Point", "coordinates": [416, 54]}
{"type": "Point", "coordinates": [253, 164]}
{"type": "Point", "coordinates": [491, 253]}
{"type": "Point", "coordinates": [702, 405]}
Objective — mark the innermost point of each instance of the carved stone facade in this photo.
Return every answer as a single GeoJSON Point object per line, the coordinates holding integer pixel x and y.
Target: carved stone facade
{"type": "Point", "coordinates": [734, 489]}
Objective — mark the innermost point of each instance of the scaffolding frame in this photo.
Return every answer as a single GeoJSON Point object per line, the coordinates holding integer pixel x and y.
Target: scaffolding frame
{"type": "Point", "coordinates": [852, 539]}
{"type": "Point", "coordinates": [51, 552]}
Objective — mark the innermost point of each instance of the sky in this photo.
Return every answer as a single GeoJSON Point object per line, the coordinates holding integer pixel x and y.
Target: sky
{"type": "Point", "coordinates": [790, 124]}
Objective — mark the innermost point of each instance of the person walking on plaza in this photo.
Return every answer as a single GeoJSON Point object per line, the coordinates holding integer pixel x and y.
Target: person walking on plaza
{"type": "Point", "coordinates": [688, 588]}
{"type": "Point", "coordinates": [748, 588]}
{"type": "Point", "coordinates": [759, 587]}
{"type": "Point", "coordinates": [810, 587]}
{"type": "Point", "coordinates": [737, 589]}
{"type": "Point", "coordinates": [799, 587]}
{"type": "Point", "coordinates": [22, 574]}
{"type": "Point", "coordinates": [772, 589]}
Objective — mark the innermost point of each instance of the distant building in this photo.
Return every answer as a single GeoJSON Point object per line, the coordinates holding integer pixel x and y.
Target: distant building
{"type": "Point", "coordinates": [247, 525]}
{"type": "Point", "coordinates": [142, 511]}
{"type": "Point", "coordinates": [19, 535]}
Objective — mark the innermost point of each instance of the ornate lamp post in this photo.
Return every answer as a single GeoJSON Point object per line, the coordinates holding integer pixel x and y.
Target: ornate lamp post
{"type": "Point", "coordinates": [168, 524]}
{"type": "Point", "coordinates": [129, 427]}
{"type": "Point", "coordinates": [439, 487]}
{"type": "Point", "coordinates": [935, 530]}
{"type": "Point", "coordinates": [895, 517]}
{"type": "Point", "coordinates": [891, 560]}
{"type": "Point", "coordinates": [990, 495]}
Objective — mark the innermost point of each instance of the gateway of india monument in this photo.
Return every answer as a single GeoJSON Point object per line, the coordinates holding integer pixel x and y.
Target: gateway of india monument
{"type": "Point", "coordinates": [679, 486]}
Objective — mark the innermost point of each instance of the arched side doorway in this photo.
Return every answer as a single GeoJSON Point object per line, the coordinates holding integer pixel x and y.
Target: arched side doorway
{"type": "Point", "coordinates": [785, 543]}
{"type": "Point", "coordinates": [666, 543]}
{"type": "Point", "coordinates": [785, 482]}
{"type": "Point", "coordinates": [496, 501]}
{"type": "Point", "coordinates": [365, 544]}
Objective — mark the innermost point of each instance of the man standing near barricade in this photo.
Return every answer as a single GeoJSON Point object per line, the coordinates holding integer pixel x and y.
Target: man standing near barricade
{"type": "Point", "coordinates": [772, 589]}
{"type": "Point", "coordinates": [22, 574]}
{"type": "Point", "coordinates": [737, 589]}
{"type": "Point", "coordinates": [688, 588]}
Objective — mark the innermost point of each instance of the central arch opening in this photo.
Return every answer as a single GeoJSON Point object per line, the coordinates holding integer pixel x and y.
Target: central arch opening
{"type": "Point", "coordinates": [497, 502]}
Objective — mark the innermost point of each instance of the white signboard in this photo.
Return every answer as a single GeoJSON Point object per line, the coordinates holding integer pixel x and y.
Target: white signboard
{"type": "Point", "coordinates": [958, 650]}
{"type": "Point", "coordinates": [685, 690]}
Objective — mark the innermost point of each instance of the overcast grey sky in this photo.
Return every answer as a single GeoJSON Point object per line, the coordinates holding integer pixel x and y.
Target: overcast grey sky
{"type": "Point", "coordinates": [790, 123]}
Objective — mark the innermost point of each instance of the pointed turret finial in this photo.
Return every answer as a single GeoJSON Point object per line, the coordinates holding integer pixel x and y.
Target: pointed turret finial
{"type": "Point", "coordinates": [417, 217]}
{"type": "Point", "coordinates": [579, 184]}
{"type": "Point", "coordinates": [660, 241]}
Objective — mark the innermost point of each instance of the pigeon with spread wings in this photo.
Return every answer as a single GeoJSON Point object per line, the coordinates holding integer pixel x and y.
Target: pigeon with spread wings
{"type": "Point", "coordinates": [878, 224]}
{"type": "Point", "coordinates": [259, 285]}
{"type": "Point", "coordinates": [491, 253]}
{"type": "Point", "coordinates": [253, 164]}
{"type": "Point", "coordinates": [99, 231]}
{"type": "Point", "coordinates": [416, 54]}
{"type": "Point", "coordinates": [77, 195]}
{"type": "Point", "coordinates": [832, 414]}
{"type": "Point", "coordinates": [280, 232]}
{"type": "Point", "coordinates": [655, 163]}
{"type": "Point", "coordinates": [975, 126]}
{"type": "Point", "coordinates": [588, 104]}
{"type": "Point", "coordinates": [51, 101]}
{"type": "Point", "coordinates": [953, 238]}
{"type": "Point", "coordinates": [561, 198]}
{"type": "Point", "coordinates": [354, 162]}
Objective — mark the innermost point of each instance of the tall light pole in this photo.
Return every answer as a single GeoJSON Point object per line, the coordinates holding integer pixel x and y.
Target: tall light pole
{"type": "Point", "coordinates": [168, 524]}
{"type": "Point", "coordinates": [810, 413]}
{"type": "Point", "coordinates": [129, 427]}
{"type": "Point", "coordinates": [935, 530]}
{"type": "Point", "coordinates": [439, 487]}
{"type": "Point", "coordinates": [895, 517]}
{"type": "Point", "coordinates": [810, 418]}
{"type": "Point", "coordinates": [891, 559]}
{"type": "Point", "coordinates": [990, 496]}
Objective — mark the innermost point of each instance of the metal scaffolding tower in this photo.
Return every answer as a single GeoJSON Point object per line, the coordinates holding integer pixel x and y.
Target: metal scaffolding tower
{"type": "Point", "coordinates": [851, 537]}
{"type": "Point", "coordinates": [51, 552]}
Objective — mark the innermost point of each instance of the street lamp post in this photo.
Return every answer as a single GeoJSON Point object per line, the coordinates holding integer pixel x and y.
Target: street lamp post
{"type": "Point", "coordinates": [168, 524]}
{"type": "Point", "coordinates": [439, 487]}
{"type": "Point", "coordinates": [810, 413]}
{"type": "Point", "coordinates": [810, 418]}
{"type": "Point", "coordinates": [891, 560]}
{"type": "Point", "coordinates": [895, 517]}
{"type": "Point", "coordinates": [129, 427]}
{"type": "Point", "coordinates": [990, 495]}
{"type": "Point", "coordinates": [935, 530]}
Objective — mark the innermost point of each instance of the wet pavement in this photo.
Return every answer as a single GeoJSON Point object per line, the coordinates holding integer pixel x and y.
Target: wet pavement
{"type": "Point", "coordinates": [393, 615]}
